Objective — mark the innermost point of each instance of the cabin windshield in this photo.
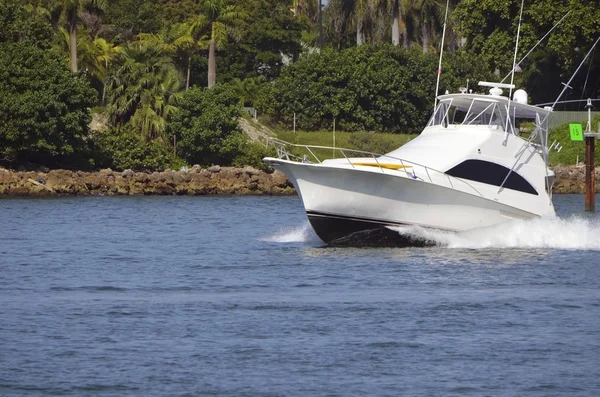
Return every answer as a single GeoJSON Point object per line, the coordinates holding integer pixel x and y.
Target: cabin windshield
{"type": "Point", "coordinates": [477, 111]}
{"type": "Point", "coordinates": [491, 112]}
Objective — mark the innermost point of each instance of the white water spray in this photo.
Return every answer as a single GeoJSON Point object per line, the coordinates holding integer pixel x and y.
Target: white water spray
{"type": "Point", "coordinates": [571, 233]}
{"type": "Point", "coordinates": [298, 234]}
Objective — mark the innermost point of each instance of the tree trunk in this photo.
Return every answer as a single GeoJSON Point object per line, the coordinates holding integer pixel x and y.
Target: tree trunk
{"type": "Point", "coordinates": [212, 63]}
{"type": "Point", "coordinates": [321, 25]}
{"type": "Point", "coordinates": [73, 45]}
{"type": "Point", "coordinates": [404, 32]}
{"type": "Point", "coordinates": [396, 24]}
{"type": "Point", "coordinates": [425, 34]}
{"type": "Point", "coordinates": [360, 39]}
{"type": "Point", "coordinates": [189, 72]}
{"type": "Point", "coordinates": [104, 85]}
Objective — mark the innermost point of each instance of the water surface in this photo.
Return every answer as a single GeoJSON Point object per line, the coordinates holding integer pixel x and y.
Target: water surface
{"type": "Point", "coordinates": [235, 296]}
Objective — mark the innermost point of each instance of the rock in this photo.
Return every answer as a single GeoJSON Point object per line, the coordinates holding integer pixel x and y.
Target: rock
{"type": "Point", "coordinates": [279, 179]}
{"type": "Point", "coordinates": [216, 180]}
{"type": "Point", "coordinates": [251, 170]}
{"type": "Point", "coordinates": [106, 171]}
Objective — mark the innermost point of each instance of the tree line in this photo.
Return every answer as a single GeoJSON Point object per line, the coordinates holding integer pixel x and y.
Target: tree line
{"type": "Point", "coordinates": [166, 79]}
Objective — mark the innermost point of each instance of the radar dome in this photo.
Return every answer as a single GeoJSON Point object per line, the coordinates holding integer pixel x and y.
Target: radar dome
{"type": "Point", "coordinates": [520, 96]}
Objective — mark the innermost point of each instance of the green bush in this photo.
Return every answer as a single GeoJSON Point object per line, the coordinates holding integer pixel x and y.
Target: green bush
{"type": "Point", "coordinates": [384, 89]}
{"type": "Point", "coordinates": [44, 108]}
{"type": "Point", "coordinates": [206, 126]}
{"type": "Point", "coordinates": [122, 148]}
{"type": "Point", "coordinates": [252, 154]}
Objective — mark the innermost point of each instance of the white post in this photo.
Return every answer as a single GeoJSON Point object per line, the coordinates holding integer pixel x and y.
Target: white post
{"type": "Point", "coordinates": [333, 137]}
{"type": "Point", "coordinates": [439, 71]}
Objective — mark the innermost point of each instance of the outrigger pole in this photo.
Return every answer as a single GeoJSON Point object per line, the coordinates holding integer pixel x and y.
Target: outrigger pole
{"type": "Point", "coordinates": [568, 85]}
{"type": "Point", "coordinates": [439, 71]}
{"type": "Point", "coordinates": [536, 44]}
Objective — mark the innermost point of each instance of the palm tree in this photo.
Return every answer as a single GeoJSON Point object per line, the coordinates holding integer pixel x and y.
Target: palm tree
{"type": "Point", "coordinates": [308, 8]}
{"type": "Point", "coordinates": [431, 15]}
{"type": "Point", "coordinates": [220, 18]}
{"type": "Point", "coordinates": [179, 40]}
{"type": "Point", "coordinates": [104, 52]}
{"type": "Point", "coordinates": [400, 11]}
{"type": "Point", "coordinates": [92, 56]}
{"type": "Point", "coordinates": [144, 90]}
{"type": "Point", "coordinates": [246, 90]}
{"type": "Point", "coordinates": [70, 9]}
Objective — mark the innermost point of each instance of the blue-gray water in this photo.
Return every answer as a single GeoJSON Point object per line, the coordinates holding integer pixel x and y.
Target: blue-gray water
{"type": "Point", "coordinates": [234, 296]}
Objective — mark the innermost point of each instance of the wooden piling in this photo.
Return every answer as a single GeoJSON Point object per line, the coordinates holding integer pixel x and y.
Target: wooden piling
{"type": "Point", "coordinates": [590, 163]}
{"type": "Point", "coordinates": [590, 180]}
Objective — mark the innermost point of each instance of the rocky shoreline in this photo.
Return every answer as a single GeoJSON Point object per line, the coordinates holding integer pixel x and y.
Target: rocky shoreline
{"type": "Point", "coordinates": [193, 182]}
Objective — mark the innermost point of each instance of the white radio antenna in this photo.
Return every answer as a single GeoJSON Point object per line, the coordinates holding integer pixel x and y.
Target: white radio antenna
{"type": "Point", "coordinates": [512, 78]}
{"type": "Point", "coordinates": [439, 71]}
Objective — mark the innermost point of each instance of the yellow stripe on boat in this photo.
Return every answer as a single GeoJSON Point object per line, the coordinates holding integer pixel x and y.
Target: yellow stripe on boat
{"type": "Point", "coordinates": [389, 166]}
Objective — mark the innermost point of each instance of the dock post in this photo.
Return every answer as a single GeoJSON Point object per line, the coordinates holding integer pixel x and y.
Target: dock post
{"type": "Point", "coordinates": [590, 163]}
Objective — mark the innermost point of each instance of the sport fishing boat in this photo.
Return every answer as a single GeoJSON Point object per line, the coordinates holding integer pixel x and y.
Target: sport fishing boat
{"type": "Point", "coordinates": [471, 167]}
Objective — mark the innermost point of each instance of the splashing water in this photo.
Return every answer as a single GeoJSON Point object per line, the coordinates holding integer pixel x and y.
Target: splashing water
{"type": "Point", "coordinates": [299, 234]}
{"type": "Point", "coordinates": [557, 233]}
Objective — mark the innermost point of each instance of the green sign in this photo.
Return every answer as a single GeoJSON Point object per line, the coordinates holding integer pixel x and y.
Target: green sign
{"type": "Point", "coordinates": [576, 132]}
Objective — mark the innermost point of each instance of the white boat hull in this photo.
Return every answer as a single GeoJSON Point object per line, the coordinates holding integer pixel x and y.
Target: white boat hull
{"type": "Point", "coordinates": [342, 201]}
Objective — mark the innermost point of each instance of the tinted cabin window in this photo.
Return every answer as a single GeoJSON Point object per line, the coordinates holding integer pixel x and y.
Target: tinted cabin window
{"type": "Point", "coordinates": [492, 174]}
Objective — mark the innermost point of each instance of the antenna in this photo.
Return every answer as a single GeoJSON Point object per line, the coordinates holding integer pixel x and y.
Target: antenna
{"type": "Point", "coordinates": [536, 44]}
{"type": "Point", "coordinates": [512, 78]}
{"type": "Point", "coordinates": [439, 71]}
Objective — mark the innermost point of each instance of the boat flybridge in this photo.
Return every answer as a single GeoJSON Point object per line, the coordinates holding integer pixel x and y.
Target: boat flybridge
{"type": "Point", "coordinates": [481, 160]}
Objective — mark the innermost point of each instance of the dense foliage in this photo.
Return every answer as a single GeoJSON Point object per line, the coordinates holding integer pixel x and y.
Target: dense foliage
{"type": "Point", "coordinates": [44, 108]}
{"type": "Point", "coordinates": [379, 89]}
{"type": "Point", "coordinates": [489, 26]}
{"type": "Point", "coordinates": [372, 66]}
{"type": "Point", "coordinates": [206, 126]}
{"type": "Point", "coordinates": [121, 148]}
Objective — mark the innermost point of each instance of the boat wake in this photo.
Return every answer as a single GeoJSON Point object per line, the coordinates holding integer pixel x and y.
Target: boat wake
{"type": "Point", "coordinates": [299, 234]}
{"type": "Point", "coordinates": [557, 233]}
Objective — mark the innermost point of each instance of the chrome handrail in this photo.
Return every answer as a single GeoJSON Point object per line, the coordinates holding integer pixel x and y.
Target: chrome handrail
{"type": "Point", "coordinates": [282, 152]}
